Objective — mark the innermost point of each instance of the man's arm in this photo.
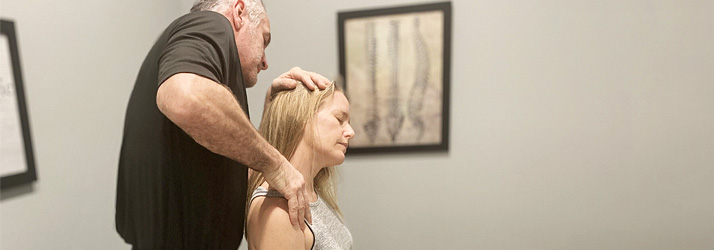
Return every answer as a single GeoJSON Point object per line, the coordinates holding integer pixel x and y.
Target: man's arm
{"type": "Point", "coordinates": [211, 115]}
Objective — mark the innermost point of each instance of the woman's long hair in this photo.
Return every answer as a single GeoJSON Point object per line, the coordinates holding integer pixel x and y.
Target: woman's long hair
{"type": "Point", "coordinates": [283, 126]}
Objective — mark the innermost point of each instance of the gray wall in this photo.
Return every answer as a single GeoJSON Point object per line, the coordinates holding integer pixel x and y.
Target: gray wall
{"type": "Point", "coordinates": [79, 61]}
{"type": "Point", "coordinates": [575, 125]}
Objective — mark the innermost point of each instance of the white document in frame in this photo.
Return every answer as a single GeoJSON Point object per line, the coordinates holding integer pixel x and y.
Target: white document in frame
{"type": "Point", "coordinates": [12, 146]}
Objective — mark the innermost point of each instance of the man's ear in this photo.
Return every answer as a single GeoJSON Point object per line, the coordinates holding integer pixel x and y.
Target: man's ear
{"type": "Point", "coordinates": [238, 8]}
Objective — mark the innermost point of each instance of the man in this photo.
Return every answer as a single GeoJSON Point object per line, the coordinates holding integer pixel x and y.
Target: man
{"type": "Point", "coordinates": [187, 138]}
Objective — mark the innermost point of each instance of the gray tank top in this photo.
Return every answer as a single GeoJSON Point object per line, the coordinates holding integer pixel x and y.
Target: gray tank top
{"type": "Point", "coordinates": [327, 229]}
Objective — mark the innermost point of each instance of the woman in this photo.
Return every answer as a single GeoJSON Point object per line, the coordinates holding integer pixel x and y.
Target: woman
{"type": "Point", "coordinates": [312, 130]}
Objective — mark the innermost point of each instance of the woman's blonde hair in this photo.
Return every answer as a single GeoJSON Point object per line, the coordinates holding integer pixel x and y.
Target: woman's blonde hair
{"type": "Point", "coordinates": [284, 124]}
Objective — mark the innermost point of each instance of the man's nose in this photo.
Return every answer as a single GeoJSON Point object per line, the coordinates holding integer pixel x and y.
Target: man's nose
{"type": "Point", "coordinates": [264, 63]}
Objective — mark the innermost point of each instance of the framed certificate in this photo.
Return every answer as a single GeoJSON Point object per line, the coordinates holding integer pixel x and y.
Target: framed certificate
{"type": "Point", "coordinates": [17, 163]}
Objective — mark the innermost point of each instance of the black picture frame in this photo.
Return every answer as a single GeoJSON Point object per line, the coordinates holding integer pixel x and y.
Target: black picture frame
{"type": "Point", "coordinates": [396, 65]}
{"type": "Point", "coordinates": [29, 174]}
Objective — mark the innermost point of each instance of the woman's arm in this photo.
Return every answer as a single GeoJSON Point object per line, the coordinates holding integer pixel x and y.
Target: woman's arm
{"type": "Point", "coordinates": [268, 226]}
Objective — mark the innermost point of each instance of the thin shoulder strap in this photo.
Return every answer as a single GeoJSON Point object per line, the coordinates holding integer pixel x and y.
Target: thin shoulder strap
{"type": "Point", "coordinates": [313, 235]}
{"type": "Point", "coordinates": [261, 191]}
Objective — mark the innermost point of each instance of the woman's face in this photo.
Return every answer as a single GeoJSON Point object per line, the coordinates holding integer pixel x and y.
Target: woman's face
{"type": "Point", "coordinates": [333, 130]}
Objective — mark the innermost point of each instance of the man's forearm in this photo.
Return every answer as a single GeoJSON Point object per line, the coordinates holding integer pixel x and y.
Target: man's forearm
{"type": "Point", "coordinates": [211, 115]}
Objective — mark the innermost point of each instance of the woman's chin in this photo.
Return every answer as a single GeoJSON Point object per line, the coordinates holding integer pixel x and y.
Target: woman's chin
{"type": "Point", "coordinates": [337, 160]}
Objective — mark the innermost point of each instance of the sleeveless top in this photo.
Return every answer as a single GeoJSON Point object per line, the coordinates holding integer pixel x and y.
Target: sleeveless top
{"type": "Point", "coordinates": [327, 229]}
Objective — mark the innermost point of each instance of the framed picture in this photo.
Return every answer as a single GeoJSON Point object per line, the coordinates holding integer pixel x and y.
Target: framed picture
{"type": "Point", "coordinates": [396, 64]}
{"type": "Point", "coordinates": [17, 163]}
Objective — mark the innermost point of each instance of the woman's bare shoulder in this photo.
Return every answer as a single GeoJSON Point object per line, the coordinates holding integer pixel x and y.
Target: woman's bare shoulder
{"type": "Point", "coordinates": [268, 226]}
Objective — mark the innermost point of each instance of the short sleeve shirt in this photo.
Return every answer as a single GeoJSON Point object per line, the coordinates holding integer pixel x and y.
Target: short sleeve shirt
{"type": "Point", "coordinates": [173, 193]}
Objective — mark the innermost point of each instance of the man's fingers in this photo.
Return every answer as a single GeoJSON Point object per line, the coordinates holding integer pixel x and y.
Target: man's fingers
{"type": "Point", "coordinates": [311, 80]}
{"type": "Point", "coordinates": [296, 73]}
{"type": "Point", "coordinates": [308, 214]}
{"type": "Point", "coordinates": [307, 80]}
{"type": "Point", "coordinates": [293, 212]}
{"type": "Point", "coordinates": [321, 84]}
{"type": "Point", "coordinates": [301, 210]}
{"type": "Point", "coordinates": [319, 80]}
{"type": "Point", "coordinates": [280, 84]}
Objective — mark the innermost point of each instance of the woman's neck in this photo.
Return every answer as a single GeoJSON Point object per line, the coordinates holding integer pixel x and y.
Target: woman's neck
{"type": "Point", "coordinates": [304, 161]}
